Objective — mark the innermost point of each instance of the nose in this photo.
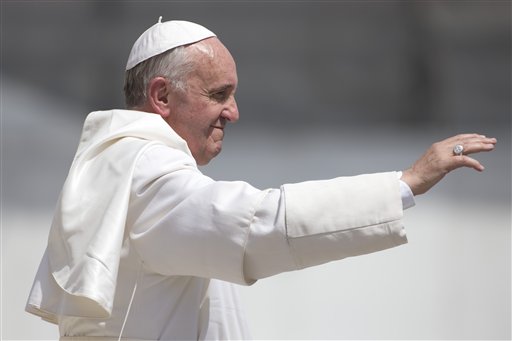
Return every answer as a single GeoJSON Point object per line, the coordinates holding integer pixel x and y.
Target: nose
{"type": "Point", "coordinates": [230, 112]}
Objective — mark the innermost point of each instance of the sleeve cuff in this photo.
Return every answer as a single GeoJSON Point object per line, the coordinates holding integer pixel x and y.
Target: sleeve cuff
{"type": "Point", "coordinates": [405, 193]}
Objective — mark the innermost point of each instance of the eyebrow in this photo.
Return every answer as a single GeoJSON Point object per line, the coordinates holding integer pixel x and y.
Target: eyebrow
{"type": "Point", "coordinates": [222, 88]}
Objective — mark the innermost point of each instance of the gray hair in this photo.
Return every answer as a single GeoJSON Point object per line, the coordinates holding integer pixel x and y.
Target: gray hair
{"type": "Point", "coordinates": [174, 65]}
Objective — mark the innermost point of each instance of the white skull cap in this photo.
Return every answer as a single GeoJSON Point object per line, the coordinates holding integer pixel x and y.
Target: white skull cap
{"type": "Point", "coordinates": [164, 36]}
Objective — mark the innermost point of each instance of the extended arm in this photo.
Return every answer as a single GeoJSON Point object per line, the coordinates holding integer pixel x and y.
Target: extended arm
{"type": "Point", "coordinates": [184, 223]}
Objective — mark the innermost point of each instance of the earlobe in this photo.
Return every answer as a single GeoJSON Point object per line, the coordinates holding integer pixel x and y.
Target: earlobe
{"type": "Point", "coordinates": [158, 91]}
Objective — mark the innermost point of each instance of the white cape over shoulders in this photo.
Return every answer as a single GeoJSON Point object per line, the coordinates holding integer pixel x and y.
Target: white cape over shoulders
{"type": "Point", "coordinates": [78, 273]}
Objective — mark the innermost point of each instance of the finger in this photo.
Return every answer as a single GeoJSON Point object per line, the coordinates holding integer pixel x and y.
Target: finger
{"type": "Point", "coordinates": [462, 137]}
{"type": "Point", "coordinates": [472, 143]}
{"type": "Point", "coordinates": [465, 139]}
{"type": "Point", "coordinates": [468, 162]}
{"type": "Point", "coordinates": [477, 147]}
{"type": "Point", "coordinates": [487, 140]}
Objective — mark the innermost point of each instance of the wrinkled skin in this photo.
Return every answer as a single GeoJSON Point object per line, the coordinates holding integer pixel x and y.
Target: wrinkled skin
{"type": "Point", "coordinates": [439, 160]}
{"type": "Point", "coordinates": [200, 112]}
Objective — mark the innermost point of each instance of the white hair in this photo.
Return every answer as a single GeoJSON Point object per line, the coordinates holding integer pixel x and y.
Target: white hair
{"type": "Point", "coordinates": [174, 65]}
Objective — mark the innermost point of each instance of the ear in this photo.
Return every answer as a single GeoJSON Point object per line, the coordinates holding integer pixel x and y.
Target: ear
{"type": "Point", "coordinates": [158, 96]}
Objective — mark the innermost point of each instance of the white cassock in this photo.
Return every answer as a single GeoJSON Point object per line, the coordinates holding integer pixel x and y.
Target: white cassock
{"type": "Point", "coordinates": [140, 233]}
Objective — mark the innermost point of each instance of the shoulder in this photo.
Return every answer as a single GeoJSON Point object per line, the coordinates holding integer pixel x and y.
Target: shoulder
{"type": "Point", "coordinates": [160, 165]}
{"type": "Point", "coordinates": [158, 155]}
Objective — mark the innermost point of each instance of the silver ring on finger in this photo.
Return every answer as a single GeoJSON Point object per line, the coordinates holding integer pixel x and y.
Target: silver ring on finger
{"type": "Point", "coordinates": [458, 149]}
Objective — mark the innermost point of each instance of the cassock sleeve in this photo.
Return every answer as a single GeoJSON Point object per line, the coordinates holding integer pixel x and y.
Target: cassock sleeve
{"type": "Point", "coordinates": [183, 223]}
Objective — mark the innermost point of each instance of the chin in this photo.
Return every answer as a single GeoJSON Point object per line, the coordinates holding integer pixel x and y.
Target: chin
{"type": "Point", "coordinates": [208, 154]}
{"type": "Point", "coordinates": [206, 160]}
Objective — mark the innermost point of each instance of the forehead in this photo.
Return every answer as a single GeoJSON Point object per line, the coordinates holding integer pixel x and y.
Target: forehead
{"type": "Point", "coordinates": [214, 63]}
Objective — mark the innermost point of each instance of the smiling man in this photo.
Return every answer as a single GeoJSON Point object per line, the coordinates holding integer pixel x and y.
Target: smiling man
{"type": "Point", "coordinates": [200, 111]}
{"type": "Point", "coordinates": [144, 246]}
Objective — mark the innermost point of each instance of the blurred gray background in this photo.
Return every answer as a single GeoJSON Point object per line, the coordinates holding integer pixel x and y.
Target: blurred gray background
{"type": "Point", "coordinates": [327, 88]}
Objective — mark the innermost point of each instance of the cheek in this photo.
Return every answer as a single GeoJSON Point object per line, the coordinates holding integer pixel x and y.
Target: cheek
{"type": "Point", "coordinates": [198, 118]}
{"type": "Point", "coordinates": [207, 117]}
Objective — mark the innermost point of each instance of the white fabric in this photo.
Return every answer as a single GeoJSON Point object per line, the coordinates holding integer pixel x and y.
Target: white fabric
{"type": "Point", "coordinates": [164, 36]}
{"type": "Point", "coordinates": [405, 192]}
{"type": "Point", "coordinates": [406, 195]}
{"type": "Point", "coordinates": [87, 231]}
{"type": "Point", "coordinates": [192, 236]}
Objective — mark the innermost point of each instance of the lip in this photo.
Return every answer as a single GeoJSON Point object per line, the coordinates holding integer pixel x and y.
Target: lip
{"type": "Point", "coordinates": [218, 127]}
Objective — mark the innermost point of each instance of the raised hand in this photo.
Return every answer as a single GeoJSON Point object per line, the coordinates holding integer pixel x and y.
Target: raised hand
{"type": "Point", "coordinates": [442, 157]}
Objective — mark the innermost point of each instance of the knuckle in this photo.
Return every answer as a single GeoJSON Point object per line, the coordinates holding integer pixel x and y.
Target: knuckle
{"type": "Point", "coordinates": [437, 147]}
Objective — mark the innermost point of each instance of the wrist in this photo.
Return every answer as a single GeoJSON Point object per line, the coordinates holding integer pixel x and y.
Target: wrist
{"type": "Point", "coordinates": [413, 181]}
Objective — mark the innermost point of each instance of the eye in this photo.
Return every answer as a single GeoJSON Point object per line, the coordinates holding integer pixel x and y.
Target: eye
{"type": "Point", "coordinates": [219, 96]}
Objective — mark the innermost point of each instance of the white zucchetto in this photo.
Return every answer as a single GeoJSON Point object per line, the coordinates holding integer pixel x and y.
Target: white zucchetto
{"type": "Point", "coordinates": [164, 36]}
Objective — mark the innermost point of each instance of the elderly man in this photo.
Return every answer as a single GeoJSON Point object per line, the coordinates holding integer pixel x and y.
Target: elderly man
{"type": "Point", "coordinates": [144, 246]}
